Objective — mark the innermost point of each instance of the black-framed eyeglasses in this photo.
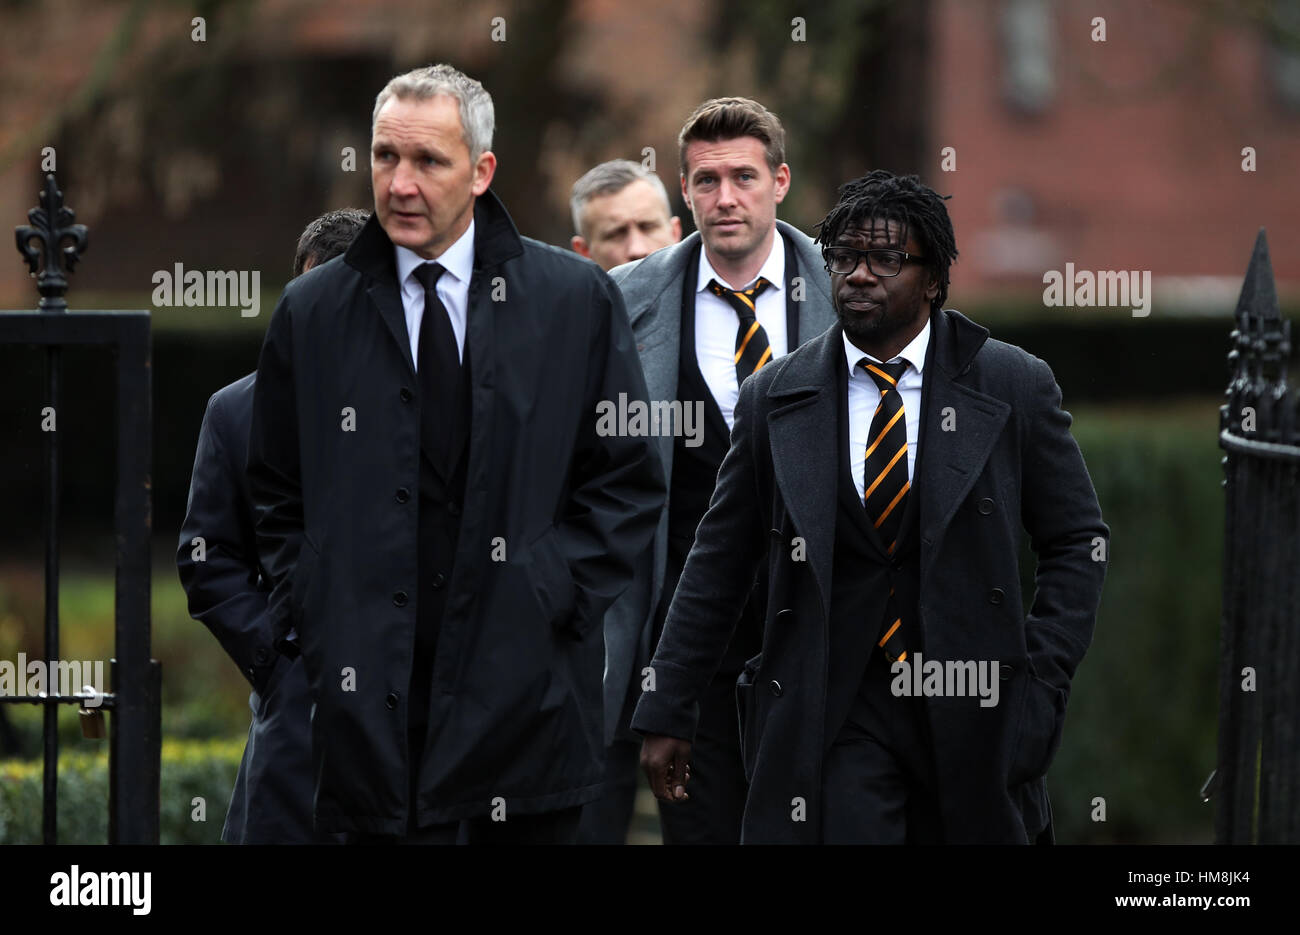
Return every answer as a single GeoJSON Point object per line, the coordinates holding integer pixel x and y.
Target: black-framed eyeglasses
{"type": "Point", "coordinates": [882, 262]}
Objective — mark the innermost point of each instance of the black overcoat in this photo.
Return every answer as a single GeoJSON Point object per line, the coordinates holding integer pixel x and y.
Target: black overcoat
{"type": "Point", "coordinates": [553, 513]}
{"type": "Point", "coordinates": [996, 456]}
{"type": "Point", "coordinates": [227, 592]}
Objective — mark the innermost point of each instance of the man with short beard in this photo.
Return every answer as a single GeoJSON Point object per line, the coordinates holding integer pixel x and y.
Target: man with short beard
{"type": "Point", "coordinates": [707, 313]}
{"type": "Point", "coordinates": [885, 470]}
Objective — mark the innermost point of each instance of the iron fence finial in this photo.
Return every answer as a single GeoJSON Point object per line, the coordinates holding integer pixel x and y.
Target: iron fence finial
{"type": "Point", "coordinates": [51, 225]}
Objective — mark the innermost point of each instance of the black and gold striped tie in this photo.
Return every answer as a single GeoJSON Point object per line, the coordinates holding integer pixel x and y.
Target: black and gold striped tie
{"type": "Point", "coordinates": [885, 483]}
{"type": "Point", "coordinates": [752, 349]}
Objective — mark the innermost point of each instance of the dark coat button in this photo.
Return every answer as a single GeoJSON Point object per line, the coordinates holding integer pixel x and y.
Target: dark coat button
{"type": "Point", "coordinates": [775, 688]}
{"type": "Point", "coordinates": [453, 508]}
{"type": "Point", "coordinates": [403, 495]}
{"type": "Point", "coordinates": [1005, 672]}
{"type": "Point", "coordinates": [996, 595]}
{"type": "Point", "coordinates": [438, 580]}
{"type": "Point", "coordinates": [261, 656]}
{"type": "Point", "coordinates": [775, 533]}
{"type": "Point", "coordinates": [399, 598]}
{"type": "Point", "coordinates": [390, 702]}
{"type": "Point", "coordinates": [785, 616]}
{"type": "Point", "coordinates": [986, 506]}
{"type": "Point", "coordinates": [406, 395]}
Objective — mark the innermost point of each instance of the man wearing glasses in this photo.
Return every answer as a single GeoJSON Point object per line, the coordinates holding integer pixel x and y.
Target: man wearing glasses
{"type": "Point", "coordinates": [885, 470]}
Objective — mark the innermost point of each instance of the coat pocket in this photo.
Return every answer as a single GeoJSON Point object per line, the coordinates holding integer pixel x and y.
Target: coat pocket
{"type": "Point", "coordinates": [273, 680]}
{"type": "Point", "coordinates": [304, 570]}
{"type": "Point", "coordinates": [745, 713]}
{"type": "Point", "coordinates": [551, 581]}
{"type": "Point", "coordinates": [1042, 715]}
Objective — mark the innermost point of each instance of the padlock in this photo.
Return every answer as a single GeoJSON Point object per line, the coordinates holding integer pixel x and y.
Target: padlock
{"type": "Point", "coordinates": [92, 719]}
{"type": "Point", "coordinates": [92, 724]}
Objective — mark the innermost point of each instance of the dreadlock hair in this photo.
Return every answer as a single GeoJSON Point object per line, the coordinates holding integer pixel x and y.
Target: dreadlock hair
{"type": "Point", "coordinates": [880, 197]}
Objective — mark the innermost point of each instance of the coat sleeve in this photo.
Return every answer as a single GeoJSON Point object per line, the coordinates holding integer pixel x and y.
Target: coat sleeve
{"type": "Point", "coordinates": [274, 479]}
{"type": "Point", "coordinates": [1060, 512]}
{"type": "Point", "coordinates": [730, 542]}
{"type": "Point", "coordinates": [221, 582]}
{"type": "Point", "coordinates": [617, 486]}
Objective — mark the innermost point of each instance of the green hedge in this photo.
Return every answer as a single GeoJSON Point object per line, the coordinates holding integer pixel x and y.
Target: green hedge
{"type": "Point", "coordinates": [204, 696]}
{"type": "Point", "coordinates": [1141, 723]}
{"type": "Point", "coordinates": [190, 769]}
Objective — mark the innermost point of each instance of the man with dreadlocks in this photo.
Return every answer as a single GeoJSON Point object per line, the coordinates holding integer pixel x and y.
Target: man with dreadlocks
{"type": "Point", "coordinates": [885, 469]}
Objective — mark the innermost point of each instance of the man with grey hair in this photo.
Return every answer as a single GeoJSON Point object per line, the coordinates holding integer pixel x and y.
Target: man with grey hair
{"type": "Point", "coordinates": [621, 213]}
{"type": "Point", "coordinates": [443, 523]}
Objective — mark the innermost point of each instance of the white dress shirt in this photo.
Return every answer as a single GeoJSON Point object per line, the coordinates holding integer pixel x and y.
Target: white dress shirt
{"type": "Point", "coordinates": [864, 397]}
{"type": "Point", "coordinates": [452, 288]}
{"type": "Point", "coordinates": [716, 323]}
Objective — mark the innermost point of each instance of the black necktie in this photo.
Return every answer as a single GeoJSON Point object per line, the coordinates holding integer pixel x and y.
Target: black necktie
{"type": "Point", "coordinates": [752, 349]}
{"type": "Point", "coordinates": [438, 369]}
{"type": "Point", "coordinates": [885, 482]}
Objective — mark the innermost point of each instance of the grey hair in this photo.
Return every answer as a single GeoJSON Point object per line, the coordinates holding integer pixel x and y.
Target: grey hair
{"type": "Point", "coordinates": [477, 116]}
{"type": "Point", "coordinates": [609, 178]}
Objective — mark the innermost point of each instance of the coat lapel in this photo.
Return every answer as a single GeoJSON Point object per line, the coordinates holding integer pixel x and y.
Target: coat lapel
{"type": "Point", "coordinates": [951, 460]}
{"type": "Point", "coordinates": [805, 452]}
{"type": "Point", "coordinates": [385, 297]}
{"type": "Point", "coordinates": [480, 329]}
{"type": "Point", "coordinates": [372, 253]}
{"type": "Point", "coordinates": [495, 242]}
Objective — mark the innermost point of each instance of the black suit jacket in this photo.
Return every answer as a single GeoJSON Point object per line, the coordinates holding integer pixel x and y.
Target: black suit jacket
{"type": "Point", "coordinates": [553, 514]}
{"type": "Point", "coordinates": [995, 455]}
{"type": "Point", "coordinates": [227, 591]}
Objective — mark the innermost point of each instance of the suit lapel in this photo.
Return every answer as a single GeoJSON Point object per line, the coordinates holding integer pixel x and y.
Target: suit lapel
{"type": "Point", "coordinates": [657, 326]}
{"type": "Point", "coordinates": [803, 425]}
{"type": "Point", "coordinates": [952, 458]}
{"type": "Point", "coordinates": [815, 310]}
{"type": "Point", "coordinates": [657, 318]}
{"type": "Point", "coordinates": [792, 277]}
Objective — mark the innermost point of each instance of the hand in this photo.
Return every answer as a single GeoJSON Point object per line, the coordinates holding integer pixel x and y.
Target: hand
{"type": "Point", "coordinates": [666, 761]}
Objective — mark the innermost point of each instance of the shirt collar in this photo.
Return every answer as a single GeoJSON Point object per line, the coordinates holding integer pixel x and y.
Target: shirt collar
{"type": "Point", "coordinates": [457, 260]}
{"type": "Point", "coordinates": [914, 353]}
{"type": "Point", "coordinates": [773, 268]}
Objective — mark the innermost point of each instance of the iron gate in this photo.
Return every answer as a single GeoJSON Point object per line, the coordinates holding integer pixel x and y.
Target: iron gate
{"type": "Point", "coordinates": [52, 243]}
{"type": "Point", "coordinates": [1258, 772]}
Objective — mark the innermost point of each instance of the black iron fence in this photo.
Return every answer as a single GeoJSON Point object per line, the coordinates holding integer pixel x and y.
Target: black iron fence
{"type": "Point", "coordinates": [51, 244]}
{"type": "Point", "coordinates": [1258, 773]}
